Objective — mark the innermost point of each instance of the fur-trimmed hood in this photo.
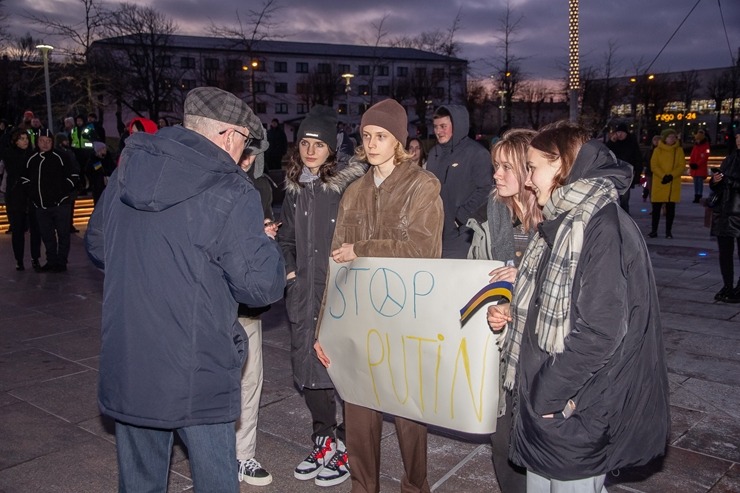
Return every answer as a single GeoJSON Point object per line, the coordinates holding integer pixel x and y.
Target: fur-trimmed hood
{"type": "Point", "coordinates": [345, 175]}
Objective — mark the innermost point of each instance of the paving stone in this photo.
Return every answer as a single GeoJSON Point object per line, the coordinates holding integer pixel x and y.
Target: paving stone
{"type": "Point", "coordinates": [73, 397]}
{"type": "Point", "coordinates": [698, 324]}
{"type": "Point", "coordinates": [682, 420]}
{"type": "Point", "coordinates": [681, 471]}
{"type": "Point", "coordinates": [29, 432]}
{"type": "Point", "coordinates": [720, 396]}
{"type": "Point", "coordinates": [716, 436]}
{"type": "Point", "coordinates": [729, 483]}
{"type": "Point", "coordinates": [74, 345]}
{"type": "Point", "coordinates": [702, 344]}
{"type": "Point", "coordinates": [88, 467]}
{"type": "Point", "coordinates": [718, 311]}
{"type": "Point", "coordinates": [6, 399]}
{"type": "Point", "coordinates": [703, 367]}
{"type": "Point", "coordinates": [22, 368]}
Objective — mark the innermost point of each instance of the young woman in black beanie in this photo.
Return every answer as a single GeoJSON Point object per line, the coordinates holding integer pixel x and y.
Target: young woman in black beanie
{"type": "Point", "coordinates": [315, 183]}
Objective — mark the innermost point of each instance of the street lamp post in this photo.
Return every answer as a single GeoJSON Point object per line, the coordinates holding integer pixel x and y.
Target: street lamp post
{"type": "Point", "coordinates": [573, 55]}
{"type": "Point", "coordinates": [45, 49]}
{"type": "Point", "coordinates": [253, 66]}
{"type": "Point", "coordinates": [347, 88]}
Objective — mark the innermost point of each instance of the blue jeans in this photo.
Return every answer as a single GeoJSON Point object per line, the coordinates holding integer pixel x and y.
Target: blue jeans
{"type": "Point", "coordinates": [144, 457]}
{"type": "Point", "coordinates": [699, 185]}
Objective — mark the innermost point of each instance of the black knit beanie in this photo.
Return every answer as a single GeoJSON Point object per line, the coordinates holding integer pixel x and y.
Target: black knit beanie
{"type": "Point", "coordinates": [320, 123]}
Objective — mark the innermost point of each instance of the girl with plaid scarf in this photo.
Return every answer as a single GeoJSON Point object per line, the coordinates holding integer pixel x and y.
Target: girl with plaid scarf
{"type": "Point", "coordinates": [583, 345]}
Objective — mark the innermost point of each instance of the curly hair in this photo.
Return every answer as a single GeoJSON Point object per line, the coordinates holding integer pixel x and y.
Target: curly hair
{"type": "Point", "coordinates": [295, 166]}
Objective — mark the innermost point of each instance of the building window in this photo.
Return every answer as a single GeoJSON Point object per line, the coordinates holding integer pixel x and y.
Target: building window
{"type": "Point", "coordinates": [402, 71]}
{"type": "Point", "coordinates": [232, 64]}
{"type": "Point", "coordinates": [344, 68]}
{"type": "Point", "coordinates": [281, 108]}
{"type": "Point", "coordinates": [383, 70]}
{"type": "Point", "coordinates": [438, 73]}
{"type": "Point", "coordinates": [384, 90]}
{"type": "Point", "coordinates": [281, 67]}
{"type": "Point", "coordinates": [364, 89]}
{"type": "Point", "coordinates": [187, 84]}
{"type": "Point", "coordinates": [364, 69]}
{"type": "Point", "coordinates": [260, 86]}
{"type": "Point", "coordinates": [342, 109]}
{"type": "Point", "coordinates": [324, 68]}
{"type": "Point", "coordinates": [301, 108]}
{"type": "Point", "coordinates": [281, 87]}
{"type": "Point", "coordinates": [211, 63]}
{"type": "Point", "coordinates": [301, 67]}
{"type": "Point", "coordinates": [420, 73]}
{"type": "Point", "coordinates": [363, 107]}
{"type": "Point", "coordinates": [261, 108]}
{"type": "Point", "coordinates": [187, 62]}
{"type": "Point", "coordinates": [439, 93]}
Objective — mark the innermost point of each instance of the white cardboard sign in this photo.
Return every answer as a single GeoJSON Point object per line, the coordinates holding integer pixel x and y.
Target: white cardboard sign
{"type": "Point", "coordinates": [391, 328]}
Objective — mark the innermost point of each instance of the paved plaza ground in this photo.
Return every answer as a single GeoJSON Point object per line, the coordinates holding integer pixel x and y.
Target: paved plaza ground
{"type": "Point", "coordinates": [53, 438]}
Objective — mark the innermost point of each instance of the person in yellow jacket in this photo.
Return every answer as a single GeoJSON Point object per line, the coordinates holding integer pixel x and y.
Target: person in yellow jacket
{"type": "Point", "coordinates": [667, 164]}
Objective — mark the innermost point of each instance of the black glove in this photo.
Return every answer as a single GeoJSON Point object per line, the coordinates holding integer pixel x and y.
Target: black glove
{"type": "Point", "coordinates": [667, 179]}
{"type": "Point", "coordinates": [693, 166]}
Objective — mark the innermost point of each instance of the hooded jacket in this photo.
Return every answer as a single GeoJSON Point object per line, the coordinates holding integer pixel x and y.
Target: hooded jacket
{"type": "Point", "coordinates": [49, 179]}
{"type": "Point", "coordinates": [700, 158]}
{"type": "Point", "coordinates": [179, 231]}
{"type": "Point", "coordinates": [309, 215]}
{"type": "Point", "coordinates": [463, 167]}
{"type": "Point", "coordinates": [613, 365]}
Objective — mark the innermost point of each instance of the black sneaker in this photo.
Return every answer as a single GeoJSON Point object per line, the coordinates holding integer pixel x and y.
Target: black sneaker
{"type": "Point", "coordinates": [337, 470]}
{"type": "Point", "coordinates": [722, 293]}
{"type": "Point", "coordinates": [36, 265]}
{"type": "Point", "coordinates": [19, 266]}
{"type": "Point", "coordinates": [251, 472]}
{"type": "Point", "coordinates": [652, 234]}
{"type": "Point", "coordinates": [324, 449]}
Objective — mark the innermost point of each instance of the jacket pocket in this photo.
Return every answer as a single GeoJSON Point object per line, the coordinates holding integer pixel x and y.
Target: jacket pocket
{"type": "Point", "coordinates": [393, 227]}
{"type": "Point", "coordinates": [355, 226]}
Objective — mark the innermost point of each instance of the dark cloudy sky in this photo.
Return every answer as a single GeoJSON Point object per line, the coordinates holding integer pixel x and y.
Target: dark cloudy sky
{"type": "Point", "coordinates": [638, 28]}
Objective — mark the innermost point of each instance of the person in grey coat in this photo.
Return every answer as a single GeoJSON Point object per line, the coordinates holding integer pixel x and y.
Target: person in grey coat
{"type": "Point", "coordinates": [463, 167]}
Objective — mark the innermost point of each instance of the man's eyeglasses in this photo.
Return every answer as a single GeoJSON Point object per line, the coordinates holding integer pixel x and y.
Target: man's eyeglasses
{"type": "Point", "coordinates": [247, 139]}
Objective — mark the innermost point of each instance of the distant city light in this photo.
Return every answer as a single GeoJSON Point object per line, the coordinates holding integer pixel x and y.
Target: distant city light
{"type": "Point", "coordinates": [703, 254]}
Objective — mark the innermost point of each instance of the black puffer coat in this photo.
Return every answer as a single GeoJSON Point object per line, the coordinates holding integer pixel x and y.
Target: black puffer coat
{"type": "Point", "coordinates": [726, 215]}
{"type": "Point", "coordinates": [309, 216]}
{"type": "Point", "coordinates": [613, 365]}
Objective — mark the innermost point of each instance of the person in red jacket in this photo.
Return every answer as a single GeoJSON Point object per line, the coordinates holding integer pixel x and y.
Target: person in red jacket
{"type": "Point", "coordinates": [698, 163]}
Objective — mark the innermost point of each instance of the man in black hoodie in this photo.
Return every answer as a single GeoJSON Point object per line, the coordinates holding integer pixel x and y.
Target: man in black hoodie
{"type": "Point", "coordinates": [463, 167]}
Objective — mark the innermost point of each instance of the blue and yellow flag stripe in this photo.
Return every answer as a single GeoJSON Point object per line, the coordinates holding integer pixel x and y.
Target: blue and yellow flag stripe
{"type": "Point", "coordinates": [494, 292]}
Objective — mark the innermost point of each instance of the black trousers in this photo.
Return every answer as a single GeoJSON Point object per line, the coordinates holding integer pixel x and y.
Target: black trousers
{"type": "Point", "coordinates": [726, 246]}
{"type": "Point", "coordinates": [22, 219]}
{"type": "Point", "coordinates": [323, 406]}
{"type": "Point", "coordinates": [54, 227]}
{"type": "Point", "coordinates": [511, 478]}
{"type": "Point", "coordinates": [670, 213]}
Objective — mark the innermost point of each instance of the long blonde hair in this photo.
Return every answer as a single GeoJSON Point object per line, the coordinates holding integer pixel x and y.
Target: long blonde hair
{"type": "Point", "coordinates": [513, 145]}
{"type": "Point", "coordinates": [400, 154]}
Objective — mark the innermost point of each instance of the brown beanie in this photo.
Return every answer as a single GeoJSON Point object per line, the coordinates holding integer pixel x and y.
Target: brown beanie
{"type": "Point", "coordinates": [390, 115]}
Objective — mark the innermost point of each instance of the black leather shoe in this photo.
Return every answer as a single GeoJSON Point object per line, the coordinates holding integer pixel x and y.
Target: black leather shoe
{"type": "Point", "coordinates": [36, 265]}
{"type": "Point", "coordinates": [669, 236]}
{"type": "Point", "coordinates": [652, 234]}
{"type": "Point", "coordinates": [19, 266]}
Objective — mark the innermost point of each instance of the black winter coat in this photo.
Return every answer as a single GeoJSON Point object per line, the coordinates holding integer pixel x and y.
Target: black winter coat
{"type": "Point", "coordinates": [15, 159]}
{"type": "Point", "coordinates": [613, 365]}
{"type": "Point", "coordinates": [309, 215]}
{"type": "Point", "coordinates": [726, 214]}
{"type": "Point", "coordinates": [49, 179]}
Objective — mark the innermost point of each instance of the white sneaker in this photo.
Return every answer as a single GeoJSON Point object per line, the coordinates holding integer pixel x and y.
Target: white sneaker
{"type": "Point", "coordinates": [337, 470]}
{"type": "Point", "coordinates": [323, 450]}
{"type": "Point", "coordinates": [251, 472]}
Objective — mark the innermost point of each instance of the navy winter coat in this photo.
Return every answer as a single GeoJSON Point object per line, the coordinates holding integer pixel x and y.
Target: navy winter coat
{"type": "Point", "coordinates": [179, 231]}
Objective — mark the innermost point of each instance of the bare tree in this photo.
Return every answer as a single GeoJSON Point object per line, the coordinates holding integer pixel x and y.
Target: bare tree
{"type": "Point", "coordinates": [507, 71]}
{"type": "Point", "coordinates": [3, 25]}
{"type": "Point", "coordinates": [78, 38]}
{"type": "Point", "coordinates": [141, 58]}
{"type": "Point", "coordinates": [248, 31]}
{"type": "Point", "coordinates": [533, 94]}
{"type": "Point", "coordinates": [477, 99]}
{"type": "Point", "coordinates": [687, 84]}
{"type": "Point", "coordinates": [600, 89]}
{"type": "Point", "coordinates": [720, 88]}
{"type": "Point", "coordinates": [377, 43]}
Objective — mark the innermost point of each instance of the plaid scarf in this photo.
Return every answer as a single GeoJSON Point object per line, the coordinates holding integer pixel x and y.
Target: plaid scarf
{"type": "Point", "coordinates": [581, 200]}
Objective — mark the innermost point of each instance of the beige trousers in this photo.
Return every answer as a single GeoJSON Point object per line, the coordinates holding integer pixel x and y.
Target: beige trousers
{"type": "Point", "coordinates": [246, 424]}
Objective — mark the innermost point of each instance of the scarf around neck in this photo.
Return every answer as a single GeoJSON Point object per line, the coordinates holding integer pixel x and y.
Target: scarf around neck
{"type": "Point", "coordinates": [579, 201]}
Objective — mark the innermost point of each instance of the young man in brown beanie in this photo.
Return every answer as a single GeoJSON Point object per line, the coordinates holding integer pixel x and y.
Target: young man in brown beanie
{"type": "Point", "coordinates": [394, 196]}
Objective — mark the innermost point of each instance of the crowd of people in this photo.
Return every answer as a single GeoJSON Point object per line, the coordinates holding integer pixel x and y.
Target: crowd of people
{"type": "Point", "coordinates": [184, 230]}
